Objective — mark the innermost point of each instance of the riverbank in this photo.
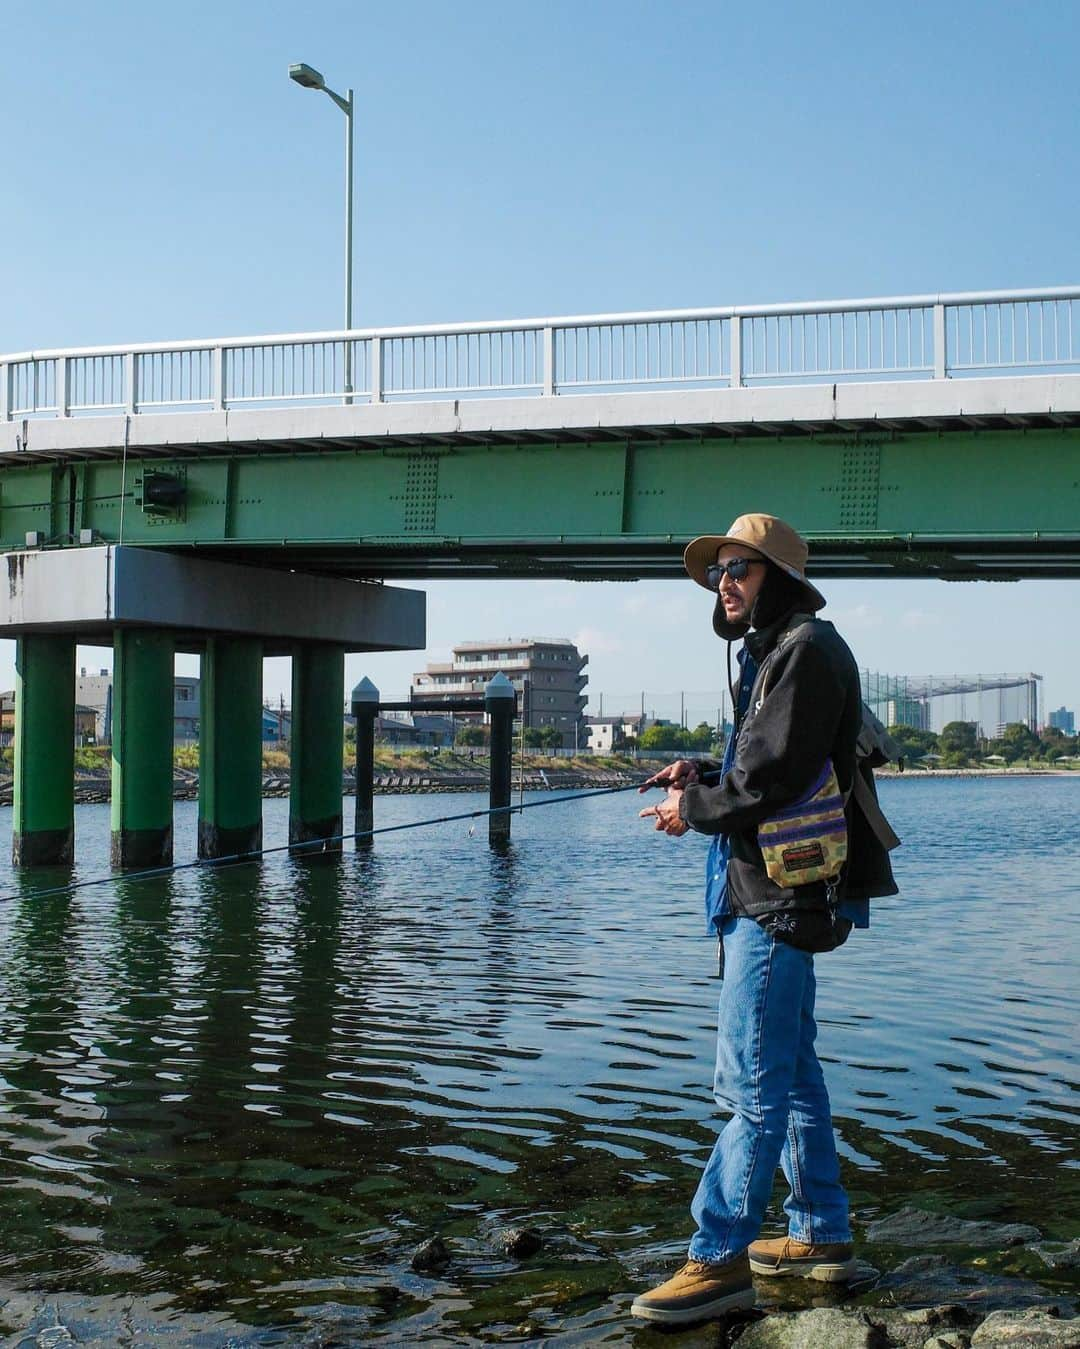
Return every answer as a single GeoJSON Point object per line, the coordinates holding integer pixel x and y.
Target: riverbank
{"type": "Point", "coordinates": [396, 775]}
{"type": "Point", "coordinates": [404, 774]}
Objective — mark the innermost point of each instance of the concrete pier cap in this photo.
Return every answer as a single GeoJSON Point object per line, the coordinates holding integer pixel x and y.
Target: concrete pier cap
{"type": "Point", "coordinates": [90, 592]}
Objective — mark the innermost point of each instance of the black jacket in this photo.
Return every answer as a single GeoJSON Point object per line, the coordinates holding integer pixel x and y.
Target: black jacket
{"type": "Point", "coordinates": [806, 706]}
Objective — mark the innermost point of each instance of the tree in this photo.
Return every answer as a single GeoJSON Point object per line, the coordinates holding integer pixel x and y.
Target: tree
{"type": "Point", "coordinates": [663, 737]}
{"type": "Point", "coordinates": [1017, 742]}
{"type": "Point", "coordinates": [702, 736]}
{"type": "Point", "coordinates": [543, 737]}
{"type": "Point", "coordinates": [1056, 744]}
{"type": "Point", "coordinates": [959, 737]}
{"type": "Point", "coordinates": [913, 742]}
{"type": "Point", "coordinates": [471, 735]}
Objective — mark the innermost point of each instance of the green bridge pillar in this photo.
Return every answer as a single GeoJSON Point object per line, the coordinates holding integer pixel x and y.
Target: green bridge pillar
{"type": "Point", "coordinates": [317, 742]}
{"type": "Point", "coordinates": [43, 831]}
{"type": "Point", "coordinates": [230, 747]}
{"type": "Point", "coordinates": [142, 743]}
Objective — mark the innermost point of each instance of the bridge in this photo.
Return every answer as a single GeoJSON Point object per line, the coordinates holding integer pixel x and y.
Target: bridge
{"type": "Point", "coordinates": [932, 435]}
{"type": "Point", "coordinates": [926, 435]}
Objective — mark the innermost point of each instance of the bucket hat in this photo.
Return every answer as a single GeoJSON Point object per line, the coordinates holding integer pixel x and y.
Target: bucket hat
{"type": "Point", "coordinates": [765, 534]}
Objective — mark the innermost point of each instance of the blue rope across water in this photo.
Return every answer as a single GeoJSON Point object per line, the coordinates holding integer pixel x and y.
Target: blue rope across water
{"type": "Point", "coordinates": [314, 846]}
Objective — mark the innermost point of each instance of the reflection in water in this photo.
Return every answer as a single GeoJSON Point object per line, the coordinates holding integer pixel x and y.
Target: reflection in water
{"type": "Point", "coordinates": [249, 1093]}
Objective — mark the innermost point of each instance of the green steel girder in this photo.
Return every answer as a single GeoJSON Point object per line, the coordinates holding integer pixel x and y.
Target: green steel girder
{"type": "Point", "coordinates": [1002, 503]}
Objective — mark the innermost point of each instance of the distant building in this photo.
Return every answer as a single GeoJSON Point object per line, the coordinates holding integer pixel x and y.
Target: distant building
{"type": "Point", "coordinates": [546, 672]}
{"type": "Point", "coordinates": [913, 712]}
{"type": "Point", "coordinates": [96, 691]}
{"type": "Point", "coordinates": [608, 733]}
{"type": "Point", "coordinates": [276, 723]}
{"type": "Point", "coordinates": [185, 709]}
{"type": "Point", "coordinates": [85, 722]}
{"type": "Point", "coordinates": [1063, 720]}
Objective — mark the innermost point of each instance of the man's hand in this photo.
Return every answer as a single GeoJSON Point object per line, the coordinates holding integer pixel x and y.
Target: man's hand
{"type": "Point", "coordinates": [679, 774]}
{"type": "Point", "coordinates": [667, 812]}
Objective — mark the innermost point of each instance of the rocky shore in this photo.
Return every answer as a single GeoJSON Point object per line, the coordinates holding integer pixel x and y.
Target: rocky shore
{"type": "Point", "coordinates": [974, 1285]}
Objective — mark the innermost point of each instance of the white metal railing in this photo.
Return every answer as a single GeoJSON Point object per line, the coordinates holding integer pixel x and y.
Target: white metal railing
{"type": "Point", "coordinates": [906, 337]}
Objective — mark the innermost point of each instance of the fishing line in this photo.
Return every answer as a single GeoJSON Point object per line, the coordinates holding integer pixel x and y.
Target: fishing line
{"type": "Point", "coordinates": [315, 845]}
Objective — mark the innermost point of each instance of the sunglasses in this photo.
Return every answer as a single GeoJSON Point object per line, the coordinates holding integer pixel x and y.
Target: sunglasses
{"type": "Point", "coordinates": [736, 569]}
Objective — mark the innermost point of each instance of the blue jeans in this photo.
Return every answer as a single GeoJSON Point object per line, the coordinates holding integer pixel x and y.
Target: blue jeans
{"type": "Point", "coordinates": [769, 1078]}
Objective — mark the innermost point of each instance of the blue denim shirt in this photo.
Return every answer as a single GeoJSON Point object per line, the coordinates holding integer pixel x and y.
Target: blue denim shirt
{"type": "Point", "coordinates": [857, 911]}
{"type": "Point", "coordinates": [716, 904]}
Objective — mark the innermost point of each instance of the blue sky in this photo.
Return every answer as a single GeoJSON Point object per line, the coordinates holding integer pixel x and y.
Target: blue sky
{"type": "Point", "coordinates": [166, 180]}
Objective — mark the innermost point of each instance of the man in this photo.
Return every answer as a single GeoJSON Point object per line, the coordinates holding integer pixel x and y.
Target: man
{"type": "Point", "coordinates": [797, 704]}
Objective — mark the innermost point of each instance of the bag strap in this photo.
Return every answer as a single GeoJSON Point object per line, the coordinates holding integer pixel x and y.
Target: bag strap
{"type": "Point", "coordinates": [863, 793]}
{"type": "Point", "coordinates": [867, 802]}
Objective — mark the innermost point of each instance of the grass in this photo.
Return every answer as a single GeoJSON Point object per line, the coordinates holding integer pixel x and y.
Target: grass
{"type": "Point", "coordinates": [388, 759]}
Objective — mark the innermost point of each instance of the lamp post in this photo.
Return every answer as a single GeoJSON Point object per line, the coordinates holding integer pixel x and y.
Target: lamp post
{"type": "Point", "coordinates": [309, 78]}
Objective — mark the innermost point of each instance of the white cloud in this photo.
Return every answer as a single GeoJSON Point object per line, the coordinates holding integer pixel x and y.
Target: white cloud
{"type": "Point", "coordinates": [596, 642]}
{"type": "Point", "coordinates": [861, 617]}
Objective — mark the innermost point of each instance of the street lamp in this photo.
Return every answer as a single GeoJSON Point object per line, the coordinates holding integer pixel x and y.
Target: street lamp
{"type": "Point", "coordinates": [309, 78]}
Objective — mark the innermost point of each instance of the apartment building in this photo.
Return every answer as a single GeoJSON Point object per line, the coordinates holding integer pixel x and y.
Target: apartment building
{"type": "Point", "coordinates": [547, 673]}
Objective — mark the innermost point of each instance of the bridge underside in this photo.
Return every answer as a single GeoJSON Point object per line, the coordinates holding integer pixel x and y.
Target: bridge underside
{"type": "Point", "coordinates": [973, 495]}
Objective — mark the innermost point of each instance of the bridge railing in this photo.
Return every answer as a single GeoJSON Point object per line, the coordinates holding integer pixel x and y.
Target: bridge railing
{"type": "Point", "coordinates": [908, 337]}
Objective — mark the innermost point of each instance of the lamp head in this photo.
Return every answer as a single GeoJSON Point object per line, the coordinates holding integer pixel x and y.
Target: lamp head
{"type": "Point", "coordinates": [306, 76]}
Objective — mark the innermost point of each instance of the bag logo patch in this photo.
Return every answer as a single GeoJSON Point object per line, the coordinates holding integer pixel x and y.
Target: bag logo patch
{"type": "Point", "coordinates": [809, 855]}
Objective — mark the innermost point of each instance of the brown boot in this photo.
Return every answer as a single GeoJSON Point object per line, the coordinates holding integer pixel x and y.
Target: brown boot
{"type": "Point", "coordinates": [829, 1262]}
{"type": "Point", "coordinates": [698, 1292]}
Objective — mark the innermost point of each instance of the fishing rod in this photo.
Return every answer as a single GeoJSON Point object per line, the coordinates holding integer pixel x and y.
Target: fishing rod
{"type": "Point", "coordinates": [316, 845]}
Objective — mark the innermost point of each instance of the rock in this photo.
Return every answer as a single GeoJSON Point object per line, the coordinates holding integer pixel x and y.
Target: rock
{"type": "Point", "coordinates": [517, 1242]}
{"type": "Point", "coordinates": [1058, 1254]}
{"type": "Point", "coordinates": [915, 1227]}
{"type": "Point", "coordinates": [429, 1255]}
{"type": "Point", "coordinates": [948, 1316]}
{"type": "Point", "coordinates": [1030, 1329]}
{"type": "Point", "coordinates": [926, 1326]}
{"type": "Point", "coordinates": [822, 1328]}
{"type": "Point", "coordinates": [928, 1279]}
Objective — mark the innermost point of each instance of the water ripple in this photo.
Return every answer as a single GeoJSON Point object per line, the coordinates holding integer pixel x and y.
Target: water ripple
{"type": "Point", "coordinates": [252, 1092]}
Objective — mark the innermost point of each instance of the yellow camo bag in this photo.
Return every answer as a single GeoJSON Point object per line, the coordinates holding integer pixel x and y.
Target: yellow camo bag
{"type": "Point", "coordinates": [807, 841]}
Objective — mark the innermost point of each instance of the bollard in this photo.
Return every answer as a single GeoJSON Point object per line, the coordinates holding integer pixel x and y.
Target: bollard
{"type": "Point", "coordinates": [365, 708]}
{"type": "Point", "coordinates": [500, 702]}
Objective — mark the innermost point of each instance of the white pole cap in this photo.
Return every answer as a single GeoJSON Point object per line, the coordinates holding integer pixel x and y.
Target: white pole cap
{"type": "Point", "coordinates": [365, 692]}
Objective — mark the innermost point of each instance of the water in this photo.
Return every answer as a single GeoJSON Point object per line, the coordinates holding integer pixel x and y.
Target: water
{"type": "Point", "coordinates": [237, 1100]}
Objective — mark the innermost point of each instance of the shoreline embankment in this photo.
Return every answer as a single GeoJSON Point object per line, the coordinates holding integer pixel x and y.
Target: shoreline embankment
{"type": "Point", "coordinates": [472, 776]}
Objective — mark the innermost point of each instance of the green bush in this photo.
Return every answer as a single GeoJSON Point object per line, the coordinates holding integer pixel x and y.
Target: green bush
{"type": "Point", "coordinates": [92, 758]}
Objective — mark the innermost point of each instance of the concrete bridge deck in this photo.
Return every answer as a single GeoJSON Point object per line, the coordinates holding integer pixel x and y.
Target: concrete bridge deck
{"type": "Point", "coordinates": [922, 435]}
